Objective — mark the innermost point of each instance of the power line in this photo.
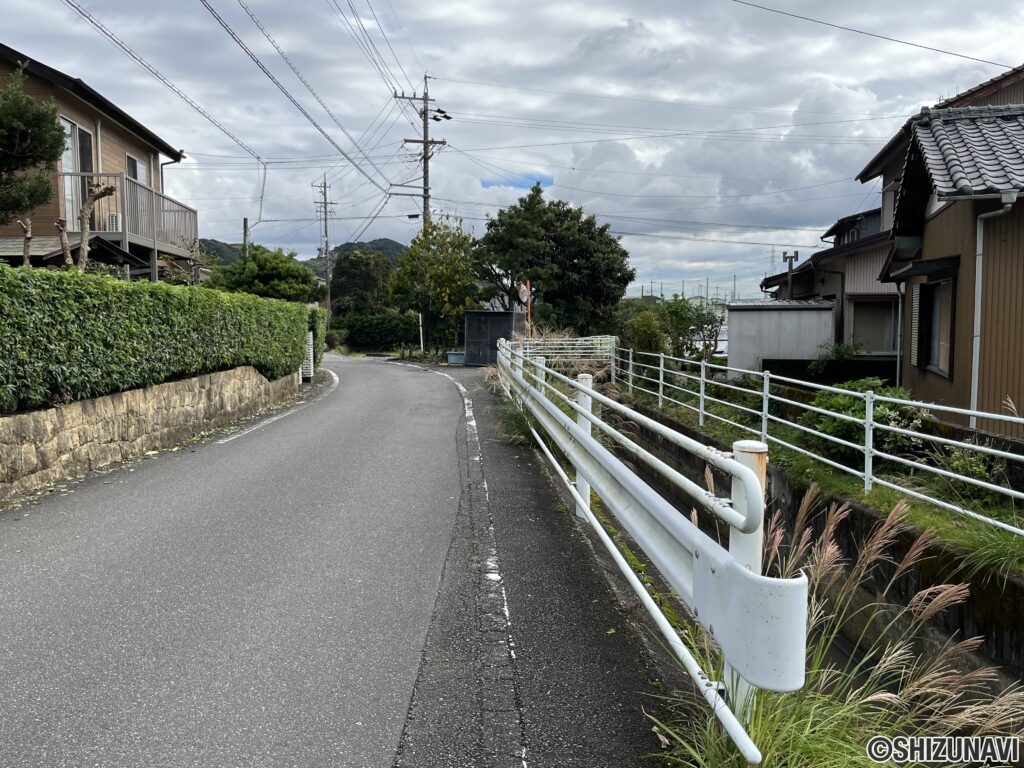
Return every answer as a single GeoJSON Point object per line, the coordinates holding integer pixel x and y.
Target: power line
{"type": "Point", "coordinates": [309, 87]}
{"type": "Point", "coordinates": [385, 36]}
{"type": "Point", "coordinates": [401, 29]}
{"type": "Point", "coordinates": [872, 34]}
{"type": "Point", "coordinates": [616, 171]}
{"type": "Point", "coordinates": [569, 125]}
{"type": "Point", "coordinates": [285, 91]}
{"type": "Point", "coordinates": [636, 99]}
{"type": "Point", "coordinates": [369, 49]}
{"type": "Point", "coordinates": [98, 26]}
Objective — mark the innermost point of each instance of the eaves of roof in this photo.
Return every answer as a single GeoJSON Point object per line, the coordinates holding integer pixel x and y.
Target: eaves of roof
{"type": "Point", "coordinates": [895, 145]}
{"type": "Point", "coordinates": [972, 151]}
{"type": "Point", "coordinates": [852, 217]}
{"type": "Point", "coordinates": [90, 96]}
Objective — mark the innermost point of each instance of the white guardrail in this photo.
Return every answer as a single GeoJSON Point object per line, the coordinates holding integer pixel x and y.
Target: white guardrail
{"type": "Point", "coordinates": [758, 623]}
{"type": "Point", "coordinates": [701, 386]}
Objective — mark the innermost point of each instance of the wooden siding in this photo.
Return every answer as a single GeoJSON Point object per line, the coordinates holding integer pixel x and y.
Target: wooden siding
{"type": "Point", "coordinates": [1002, 324]}
{"type": "Point", "coordinates": [118, 144]}
{"type": "Point", "coordinates": [949, 233]}
{"type": "Point", "coordinates": [1009, 94]}
{"type": "Point", "coordinates": [862, 272]}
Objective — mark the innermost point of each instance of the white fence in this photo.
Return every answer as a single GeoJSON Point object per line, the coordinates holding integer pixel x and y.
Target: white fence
{"type": "Point", "coordinates": [762, 405]}
{"type": "Point", "coordinates": [758, 623]}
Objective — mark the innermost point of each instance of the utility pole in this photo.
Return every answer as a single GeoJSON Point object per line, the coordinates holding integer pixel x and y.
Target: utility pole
{"type": "Point", "coordinates": [323, 208]}
{"type": "Point", "coordinates": [245, 237]}
{"type": "Point", "coordinates": [426, 142]}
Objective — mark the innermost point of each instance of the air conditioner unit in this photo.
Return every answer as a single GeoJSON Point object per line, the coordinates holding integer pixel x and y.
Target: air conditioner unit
{"type": "Point", "coordinates": [113, 222]}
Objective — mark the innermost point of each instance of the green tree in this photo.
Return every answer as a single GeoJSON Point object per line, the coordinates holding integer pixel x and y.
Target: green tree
{"type": "Point", "coordinates": [31, 141]}
{"type": "Point", "coordinates": [577, 270]}
{"type": "Point", "coordinates": [359, 283]}
{"type": "Point", "coordinates": [274, 274]}
{"type": "Point", "coordinates": [437, 278]}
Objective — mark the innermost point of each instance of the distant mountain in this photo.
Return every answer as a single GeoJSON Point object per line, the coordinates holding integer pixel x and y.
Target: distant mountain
{"type": "Point", "coordinates": [226, 253]}
{"type": "Point", "coordinates": [390, 248]}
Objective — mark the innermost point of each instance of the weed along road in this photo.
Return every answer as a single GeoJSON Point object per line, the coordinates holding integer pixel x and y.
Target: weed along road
{"type": "Point", "coordinates": [368, 579]}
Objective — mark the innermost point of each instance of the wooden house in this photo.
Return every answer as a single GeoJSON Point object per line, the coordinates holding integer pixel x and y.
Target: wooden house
{"type": "Point", "coordinates": [138, 224]}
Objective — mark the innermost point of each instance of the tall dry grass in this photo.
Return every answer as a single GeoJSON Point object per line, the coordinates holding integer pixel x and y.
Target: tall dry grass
{"type": "Point", "coordinates": [887, 686]}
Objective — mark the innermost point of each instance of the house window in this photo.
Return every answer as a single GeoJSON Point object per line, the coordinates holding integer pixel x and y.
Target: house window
{"type": "Point", "coordinates": [874, 325]}
{"type": "Point", "coordinates": [937, 325]}
{"type": "Point", "coordinates": [76, 158]}
{"type": "Point", "coordinates": [137, 169]}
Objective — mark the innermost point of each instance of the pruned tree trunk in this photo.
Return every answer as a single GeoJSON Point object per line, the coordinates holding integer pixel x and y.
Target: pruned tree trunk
{"type": "Point", "coordinates": [62, 230]}
{"type": "Point", "coordinates": [26, 227]}
{"type": "Point", "coordinates": [96, 191]}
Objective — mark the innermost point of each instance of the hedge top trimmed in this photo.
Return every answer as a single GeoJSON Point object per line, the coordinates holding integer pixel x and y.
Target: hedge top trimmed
{"type": "Point", "coordinates": [66, 336]}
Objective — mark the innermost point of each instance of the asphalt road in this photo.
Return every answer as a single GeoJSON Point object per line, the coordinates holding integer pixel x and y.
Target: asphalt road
{"type": "Point", "coordinates": [369, 579]}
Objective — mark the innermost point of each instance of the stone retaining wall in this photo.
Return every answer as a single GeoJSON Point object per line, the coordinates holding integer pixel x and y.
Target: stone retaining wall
{"type": "Point", "coordinates": [40, 448]}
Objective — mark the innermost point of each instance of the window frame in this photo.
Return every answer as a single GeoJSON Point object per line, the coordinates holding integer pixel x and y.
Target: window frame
{"type": "Point", "coordinates": [139, 163]}
{"type": "Point", "coordinates": [926, 327]}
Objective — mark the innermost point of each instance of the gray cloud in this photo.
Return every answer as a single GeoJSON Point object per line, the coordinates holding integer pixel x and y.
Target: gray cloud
{"type": "Point", "coordinates": [772, 111]}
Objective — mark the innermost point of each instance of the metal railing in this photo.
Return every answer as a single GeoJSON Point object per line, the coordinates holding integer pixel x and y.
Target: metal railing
{"type": "Point", "coordinates": [763, 405]}
{"type": "Point", "coordinates": [758, 623]}
{"type": "Point", "coordinates": [134, 209]}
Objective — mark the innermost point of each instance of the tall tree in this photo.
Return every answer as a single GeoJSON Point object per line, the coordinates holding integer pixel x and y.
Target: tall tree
{"type": "Point", "coordinates": [359, 283]}
{"type": "Point", "coordinates": [577, 270]}
{"type": "Point", "coordinates": [274, 274]}
{"type": "Point", "coordinates": [31, 141]}
{"type": "Point", "coordinates": [437, 278]}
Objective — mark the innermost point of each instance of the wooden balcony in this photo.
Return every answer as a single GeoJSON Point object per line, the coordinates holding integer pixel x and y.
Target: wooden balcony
{"type": "Point", "coordinates": [135, 215]}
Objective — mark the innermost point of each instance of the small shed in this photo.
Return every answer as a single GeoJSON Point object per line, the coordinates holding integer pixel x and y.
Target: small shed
{"type": "Point", "coordinates": [778, 330]}
{"type": "Point", "coordinates": [484, 328]}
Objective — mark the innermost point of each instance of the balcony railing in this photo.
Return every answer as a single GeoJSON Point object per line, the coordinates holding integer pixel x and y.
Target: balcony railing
{"type": "Point", "coordinates": [135, 212]}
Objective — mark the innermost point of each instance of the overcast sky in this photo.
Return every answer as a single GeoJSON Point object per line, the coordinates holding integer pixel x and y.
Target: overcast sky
{"type": "Point", "coordinates": [706, 133]}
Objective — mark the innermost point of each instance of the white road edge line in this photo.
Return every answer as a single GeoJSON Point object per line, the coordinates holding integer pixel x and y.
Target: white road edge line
{"type": "Point", "coordinates": [296, 409]}
{"type": "Point", "coordinates": [493, 563]}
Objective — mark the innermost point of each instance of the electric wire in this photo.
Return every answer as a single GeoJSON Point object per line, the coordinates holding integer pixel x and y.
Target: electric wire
{"type": "Point", "coordinates": [288, 95]}
{"type": "Point", "coordinates": [310, 88]}
{"type": "Point", "coordinates": [128, 51]}
{"type": "Point", "coordinates": [872, 34]}
{"type": "Point", "coordinates": [386, 40]}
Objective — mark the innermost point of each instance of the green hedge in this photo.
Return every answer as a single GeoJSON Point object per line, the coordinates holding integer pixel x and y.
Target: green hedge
{"type": "Point", "coordinates": [65, 336]}
{"type": "Point", "coordinates": [380, 332]}
{"type": "Point", "coordinates": [318, 325]}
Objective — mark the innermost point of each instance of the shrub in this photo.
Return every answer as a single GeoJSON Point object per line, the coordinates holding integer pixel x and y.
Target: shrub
{"type": "Point", "coordinates": [380, 332]}
{"type": "Point", "coordinates": [66, 336]}
{"type": "Point", "coordinates": [888, 414]}
{"type": "Point", "coordinates": [318, 325]}
{"type": "Point", "coordinates": [335, 339]}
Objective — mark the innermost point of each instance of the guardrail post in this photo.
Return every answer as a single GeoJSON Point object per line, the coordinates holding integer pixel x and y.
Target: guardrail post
{"type": "Point", "coordinates": [538, 367]}
{"type": "Point", "coordinates": [746, 549]}
{"type": "Point", "coordinates": [765, 395]}
{"type": "Point", "coordinates": [586, 382]}
{"type": "Point", "coordinates": [661, 378]}
{"type": "Point", "coordinates": [615, 361]}
{"type": "Point", "coordinates": [630, 376]}
{"type": "Point", "coordinates": [700, 405]}
{"type": "Point", "coordinates": [869, 440]}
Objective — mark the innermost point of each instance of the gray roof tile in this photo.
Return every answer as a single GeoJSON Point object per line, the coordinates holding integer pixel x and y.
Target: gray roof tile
{"type": "Point", "coordinates": [973, 150]}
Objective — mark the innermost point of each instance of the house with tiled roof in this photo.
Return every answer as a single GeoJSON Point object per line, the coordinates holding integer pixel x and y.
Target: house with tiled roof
{"type": "Point", "coordinates": [957, 245]}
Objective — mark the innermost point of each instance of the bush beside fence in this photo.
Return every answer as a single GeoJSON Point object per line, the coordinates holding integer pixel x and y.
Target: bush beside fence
{"type": "Point", "coordinates": [65, 336]}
